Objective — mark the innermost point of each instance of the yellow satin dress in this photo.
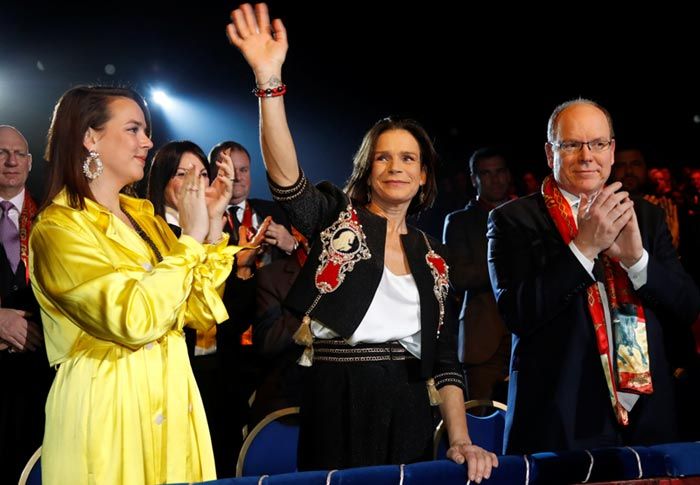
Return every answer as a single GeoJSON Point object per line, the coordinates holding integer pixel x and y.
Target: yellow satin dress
{"type": "Point", "coordinates": [124, 406]}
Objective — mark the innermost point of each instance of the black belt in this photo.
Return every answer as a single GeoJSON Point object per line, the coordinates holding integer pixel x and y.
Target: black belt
{"type": "Point", "coordinates": [338, 350]}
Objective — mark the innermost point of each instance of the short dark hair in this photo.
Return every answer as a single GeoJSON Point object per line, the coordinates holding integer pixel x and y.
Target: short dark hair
{"type": "Point", "coordinates": [554, 117]}
{"type": "Point", "coordinates": [483, 154]}
{"type": "Point", "coordinates": [78, 109]}
{"type": "Point", "coordinates": [356, 186]}
{"type": "Point", "coordinates": [164, 167]}
{"type": "Point", "coordinates": [214, 153]}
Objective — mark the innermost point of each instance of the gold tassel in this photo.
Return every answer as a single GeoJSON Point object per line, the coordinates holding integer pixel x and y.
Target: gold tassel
{"type": "Point", "coordinates": [307, 358]}
{"type": "Point", "coordinates": [303, 334]}
{"type": "Point", "coordinates": [304, 337]}
{"type": "Point", "coordinates": [433, 393]}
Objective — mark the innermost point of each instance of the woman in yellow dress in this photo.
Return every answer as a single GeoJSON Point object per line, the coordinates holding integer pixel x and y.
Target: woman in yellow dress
{"type": "Point", "coordinates": [116, 288]}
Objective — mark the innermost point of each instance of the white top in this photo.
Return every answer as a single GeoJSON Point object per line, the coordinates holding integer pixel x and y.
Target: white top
{"type": "Point", "coordinates": [394, 314]}
{"type": "Point", "coordinates": [172, 216]}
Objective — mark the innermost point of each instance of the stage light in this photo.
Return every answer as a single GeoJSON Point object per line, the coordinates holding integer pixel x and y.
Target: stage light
{"type": "Point", "coordinates": [160, 97]}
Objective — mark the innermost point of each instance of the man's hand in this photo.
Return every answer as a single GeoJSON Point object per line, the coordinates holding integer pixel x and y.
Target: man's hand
{"type": "Point", "coordinates": [278, 235]}
{"type": "Point", "coordinates": [628, 245]}
{"type": "Point", "coordinates": [601, 218]}
{"type": "Point", "coordinates": [18, 332]}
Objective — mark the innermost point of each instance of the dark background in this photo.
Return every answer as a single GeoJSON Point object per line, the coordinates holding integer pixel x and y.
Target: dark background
{"type": "Point", "coordinates": [473, 74]}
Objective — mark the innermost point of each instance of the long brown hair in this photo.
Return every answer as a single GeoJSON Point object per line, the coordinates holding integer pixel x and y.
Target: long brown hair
{"type": "Point", "coordinates": [357, 188]}
{"type": "Point", "coordinates": [164, 167]}
{"type": "Point", "coordinates": [78, 109]}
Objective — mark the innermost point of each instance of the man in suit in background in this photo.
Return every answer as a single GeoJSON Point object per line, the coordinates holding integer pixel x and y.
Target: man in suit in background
{"type": "Point", "coordinates": [581, 274]}
{"type": "Point", "coordinates": [232, 339]}
{"type": "Point", "coordinates": [484, 341]}
{"type": "Point", "coordinates": [24, 368]}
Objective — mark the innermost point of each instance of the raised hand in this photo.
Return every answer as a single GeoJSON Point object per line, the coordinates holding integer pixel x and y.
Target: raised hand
{"type": "Point", "coordinates": [192, 207]}
{"type": "Point", "coordinates": [263, 44]}
{"type": "Point", "coordinates": [245, 259]}
{"type": "Point", "coordinates": [601, 218]}
{"type": "Point", "coordinates": [218, 195]}
{"type": "Point", "coordinates": [671, 211]}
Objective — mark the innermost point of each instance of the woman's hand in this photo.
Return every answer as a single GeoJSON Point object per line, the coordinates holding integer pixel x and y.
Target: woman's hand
{"type": "Point", "coordinates": [479, 461]}
{"type": "Point", "coordinates": [278, 235]}
{"type": "Point", "coordinates": [192, 207]}
{"type": "Point", "coordinates": [218, 195]}
{"type": "Point", "coordinates": [263, 45]}
{"type": "Point", "coordinates": [245, 259]}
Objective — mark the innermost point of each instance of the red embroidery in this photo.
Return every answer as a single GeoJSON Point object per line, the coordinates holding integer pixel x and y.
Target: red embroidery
{"type": "Point", "coordinates": [29, 210]}
{"type": "Point", "coordinates": [440, 271]}
{"type": "Point", "coordinates": [344, 244]}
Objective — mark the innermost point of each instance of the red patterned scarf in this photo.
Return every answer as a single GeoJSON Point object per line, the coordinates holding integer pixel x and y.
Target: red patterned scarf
{"type": "Point", "coordinates": [29, 210]}
{"type": "Point", "coordinates": [630, 371]}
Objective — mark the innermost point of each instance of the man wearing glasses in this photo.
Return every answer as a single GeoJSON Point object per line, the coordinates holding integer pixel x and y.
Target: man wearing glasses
{"type": "Point", "coordinates": [25, 371]}
{"type": "Point", "coordinates": [583, 275]}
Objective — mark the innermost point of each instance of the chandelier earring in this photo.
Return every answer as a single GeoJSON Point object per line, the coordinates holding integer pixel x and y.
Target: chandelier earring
{"type": "Point", "coordinates": [92, 166]}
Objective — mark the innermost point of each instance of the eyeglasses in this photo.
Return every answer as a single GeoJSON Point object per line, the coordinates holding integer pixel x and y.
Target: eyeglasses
{"type": "Point", "coordinates": [5, 155]}
{"type": "Point", "coordinates": [573, 146]}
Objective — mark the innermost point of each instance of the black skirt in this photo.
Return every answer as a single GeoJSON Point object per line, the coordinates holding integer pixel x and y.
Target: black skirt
{"type": "Point", "coordinates": [364, 414]}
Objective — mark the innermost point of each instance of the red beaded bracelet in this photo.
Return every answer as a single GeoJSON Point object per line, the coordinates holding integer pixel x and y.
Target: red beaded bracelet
{"type": "Point", "coordinates": [270, 92]}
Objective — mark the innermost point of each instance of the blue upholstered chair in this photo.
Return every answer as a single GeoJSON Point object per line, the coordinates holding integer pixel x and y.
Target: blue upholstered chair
{"type": "Point", "coordinates": [376, 475]}
{"type": "Point", "coordinates": [485, 431]}
{"type": "Point", "coordinates": [271, 447]}
{"type": "Point", "coordinates": [31, 475]}
{"type": "Point", "coordinates": [680, 459]}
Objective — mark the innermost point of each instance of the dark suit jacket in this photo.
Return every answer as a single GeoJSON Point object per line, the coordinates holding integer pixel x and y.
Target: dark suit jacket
{"type": "Point", "coordinates": [239, 295]}
{"type": "Point", "coordinates": [26, 378]}
{"type": "Point", "coordinates": [273, 329]}
{"type": "Point", "coordinates": [479, 319]}
{"type": "Point", "coordinates": [558, 397]}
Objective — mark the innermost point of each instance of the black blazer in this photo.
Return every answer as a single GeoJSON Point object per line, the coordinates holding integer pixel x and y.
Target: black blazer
{"type": "Point", "coordinates": [313, 209]}
{"type": "Point", "coordinates": [558, 398]}
{"type": "Point", "coordinates": [465, 237]}
{"type": "Point", "coordinates": [239, 295]}
{"type": "Point", "coordinates": [273, 329]}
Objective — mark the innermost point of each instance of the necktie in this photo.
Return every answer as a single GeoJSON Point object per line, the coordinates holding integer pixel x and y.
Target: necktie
{"type": "Point", "coordinates": [9, 235]}
{"type": "Point", "coordinates": [598, 271]}
{"type": "Point", "coordinates": [234, 223]}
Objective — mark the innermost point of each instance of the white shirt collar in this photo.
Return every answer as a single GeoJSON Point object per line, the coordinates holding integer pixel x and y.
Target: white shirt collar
{"type": "Point", "coordinates": [570, 198]}
{"type": "Point", "coordinates": [17, 201]}
{"type": "Point", "coordinates": [241, 204]}
{"type": "Point", "coordinates": [172, 216]}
